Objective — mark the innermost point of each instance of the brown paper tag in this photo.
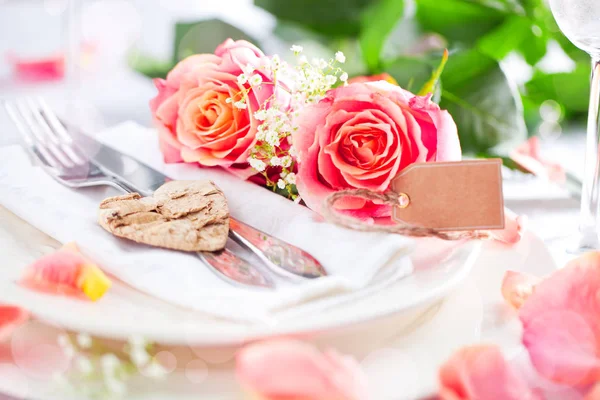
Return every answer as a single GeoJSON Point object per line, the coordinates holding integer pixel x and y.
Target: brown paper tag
{"type": "Point", "coordinates": [451, 196]}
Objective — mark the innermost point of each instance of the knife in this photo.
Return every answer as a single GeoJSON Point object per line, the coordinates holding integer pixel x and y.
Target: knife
{"type": "Point", "coordinates": [280, 257]}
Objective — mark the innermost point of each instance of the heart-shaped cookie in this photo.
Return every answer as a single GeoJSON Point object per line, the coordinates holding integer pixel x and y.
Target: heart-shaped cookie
{"type": "Point", "coordinates": [181, 215]}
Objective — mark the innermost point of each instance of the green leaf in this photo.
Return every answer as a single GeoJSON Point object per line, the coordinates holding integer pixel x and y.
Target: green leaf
{"type": "Point", "coordinates": [504, 39]}
{"type": "Point", "coordinates": [459, 20]}
{"type": "Point", "coordinates": [149, 66]}
{"type": "Point", "coordinates": [570, 89]}
{"type": "Point", "coordinates": [485, 105]}
{"type": "Point", "coordinates": [335, 18]}
{"type": "Point", "coordinates": [432, 83]}
{"type": "Point", "coordinates": [410, 72]}
{"type": "Point", "coordinates": [203, 37]}
{"type": "Point", "coordinates": [378, 22]}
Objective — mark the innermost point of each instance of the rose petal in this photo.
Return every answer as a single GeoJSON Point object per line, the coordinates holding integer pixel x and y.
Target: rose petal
{"type": "Point", "coordinates": [288, 369]}
{"type": "Point", "coordinates": [528, 156]}
{"type": "Point", "coordinates": [10, 318]}
{"type": "Point", "coordinates": [514, 228]}
{"type": "Point", "coordinates": [517, 287]}
{"type": "Point", "coordinates": [594, 393]}
{"type": "Point", "coordinates": [374, 78]}
{"type": "Point", "coordinates": [68, 272]}
{"type": "Point", "coordinates": [561, 324]}
{"type": "Point", "coordinates": [481, 373]}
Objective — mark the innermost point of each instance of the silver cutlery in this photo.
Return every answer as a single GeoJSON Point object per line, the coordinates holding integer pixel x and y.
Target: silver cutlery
{"type": "Point", "coordinates": [65, 162]}
{"type": "Point", "coordinates": [281, 258]}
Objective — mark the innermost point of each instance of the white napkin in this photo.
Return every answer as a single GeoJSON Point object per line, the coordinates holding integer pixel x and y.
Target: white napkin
{"type": "Point", "coordinates": [358, 262]}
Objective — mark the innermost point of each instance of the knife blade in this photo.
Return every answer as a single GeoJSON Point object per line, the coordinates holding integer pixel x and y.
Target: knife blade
{"type": "Point", "coordinates": [280, 257]}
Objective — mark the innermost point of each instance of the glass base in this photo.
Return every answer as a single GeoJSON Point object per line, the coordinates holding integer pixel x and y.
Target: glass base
{"type": "Point", "coordinates": [582, 243]}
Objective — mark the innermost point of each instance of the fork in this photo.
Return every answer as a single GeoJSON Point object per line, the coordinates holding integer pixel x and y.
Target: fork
{"type": "Point", "coordinates": [64, 161]}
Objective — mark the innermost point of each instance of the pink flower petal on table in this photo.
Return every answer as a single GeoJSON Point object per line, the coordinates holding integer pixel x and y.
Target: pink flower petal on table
{"type": "Point", "coordinates": [517, 287]}
{"type": "Point", "coordinates": [38, 69]}
{"type": "Point", "coordinates": [561, 323]}
{"type": "Point", "coordinates": [514, 228]}
{"type": "Point", "coordinates": [67, 272]}
{"type": "Point", "coordinates": [529, 157]}
{"type": "Point", "coordinates": [10, 318]}
{"type": "Point", "coordinates": [288, 369]}
{"type": "Point", "coordinates": [481, 373]}
{"type": "Point", "coordinates": [594, 393]}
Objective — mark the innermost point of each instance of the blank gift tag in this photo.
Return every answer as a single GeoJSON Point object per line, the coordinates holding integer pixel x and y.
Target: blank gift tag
{"type": "Point", "coordinates": [451, 196]}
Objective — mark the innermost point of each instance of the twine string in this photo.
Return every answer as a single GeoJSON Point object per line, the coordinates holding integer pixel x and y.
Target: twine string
{"type": "Point", "coordinates": [390, 198]}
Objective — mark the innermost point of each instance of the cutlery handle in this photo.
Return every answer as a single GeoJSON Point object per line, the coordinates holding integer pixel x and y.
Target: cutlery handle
{"type": "Point", "coordinates": [281, 257]}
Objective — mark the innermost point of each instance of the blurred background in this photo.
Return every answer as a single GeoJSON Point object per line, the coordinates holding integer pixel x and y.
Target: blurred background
{"type": "Point", "coordinates": [511, 73]}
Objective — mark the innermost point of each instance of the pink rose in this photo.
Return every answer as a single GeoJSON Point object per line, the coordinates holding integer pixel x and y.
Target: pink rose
{"type": "Point", "coordinates": [481, 373]}
{"type": "Point", "coordinates": [288, 369]}
{"type": "Point", "coordinates": [361, 136]}
{"type": "Point", "coordinates": [196, 122]}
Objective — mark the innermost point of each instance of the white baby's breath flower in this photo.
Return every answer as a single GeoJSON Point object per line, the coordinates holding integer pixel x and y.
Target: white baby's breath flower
{"type": "Point", "coordinates": [248, 69]}
{"type": "Point", "coordinates": [275, 161]}
{"type": "Point", "coordinates": [260, 134]}
{"type": "Point", "coordinates": [256, 80]}
{"type": "Point", "coordinates": [260, 115]}
{"type": "Point", "coordinates": [242, 79]}
{"type": "Point", "coordinates": [228, 100]}
{"type": "Point", "coordinates": [240, 104]}
{"type": "Point", "coordinates": [84, 365]}
{"type": "Point", "coordinates": [84, 340]}
{"type": "Point", "coordinates": [281, 184]}
{"type": "Point", "coordinates": [340, 57]}
{"type": "Point", "coordinates": [272, 138]}
{"type": "Point", "coordinates": [275, 61]}
{"type": "Point", "coordinates": [258, 165]}
{"type": "Point", "coordinates": [139, 356]}
{"type": "Point", "coordinates": [137, 341]}
{"type": "Point", "coordinates": [302, 60]}
{"type": "Point", "coordinates": [64, 340]}
{"type": "Point", "coordinates": [109, 364]}
{"type": "Point", "coordinates": [344, 77]}
{"type": "Point", "coordinates": [296, 49]}
{"type": "Point", "coordinates": [286, 161]}
{"type": "Point", "coordinates": [155, 371]}
{"type": "Point", "coordinates": [330, 80]}
{"type": "Point", "coordinates": [291, 178]}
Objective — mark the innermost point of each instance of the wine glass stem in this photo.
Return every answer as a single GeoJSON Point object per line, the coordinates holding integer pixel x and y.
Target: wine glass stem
{"type": "Point", "coordinates": [591, 181]}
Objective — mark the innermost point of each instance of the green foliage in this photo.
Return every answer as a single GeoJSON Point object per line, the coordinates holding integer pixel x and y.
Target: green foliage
{"type": "Point", "coordinates": [190, 38]}
{"type": "Point", "coordinates": [203, 37]}
{"type": "Point", "coordinates": [568, 89]}
{"type": "Point", "coordinates": [485, 105]}
{"type": "Point", "coordinates": [459, 21]}
{"type": "Point", "coordinates": [378, 21]}
{"type": "Point", "coordinates": [334, 18]}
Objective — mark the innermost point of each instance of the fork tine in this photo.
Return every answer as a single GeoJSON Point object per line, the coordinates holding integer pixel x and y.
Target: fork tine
{"type": "Point", "coordinates": [28, 115]}
{"type": "Point", "coordinates": [56, 135]}
{"type": "Point", "coordinates": [38, 149]}
{"type": "Point", "coordinates": [52, 119]}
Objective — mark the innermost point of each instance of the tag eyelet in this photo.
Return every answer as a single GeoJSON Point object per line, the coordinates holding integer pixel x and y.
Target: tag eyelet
{"type": "Point", "coordinates": [403, 200]}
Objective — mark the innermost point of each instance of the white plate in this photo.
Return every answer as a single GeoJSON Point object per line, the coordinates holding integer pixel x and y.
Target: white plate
{"type": "Point", "coordinates": [439, 267]}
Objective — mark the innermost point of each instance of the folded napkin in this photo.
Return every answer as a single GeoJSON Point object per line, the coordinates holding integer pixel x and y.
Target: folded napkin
{"type": "Point", "coordinates": [359, 263]}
